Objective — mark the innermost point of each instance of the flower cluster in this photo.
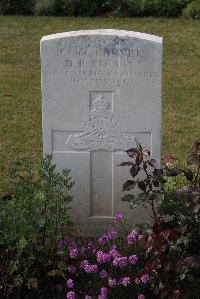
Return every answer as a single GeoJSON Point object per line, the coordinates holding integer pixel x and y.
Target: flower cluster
{"type": "Point", "coordinates": [112, 267]}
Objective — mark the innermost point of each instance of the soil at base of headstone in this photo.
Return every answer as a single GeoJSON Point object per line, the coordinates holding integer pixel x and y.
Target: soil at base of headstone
{"type": "Point", "coordinates": [40, 294]}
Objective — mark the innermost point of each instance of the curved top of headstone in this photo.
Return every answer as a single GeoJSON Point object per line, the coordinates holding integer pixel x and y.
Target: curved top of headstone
{"type": "Point", "coordinates": [103, 32]}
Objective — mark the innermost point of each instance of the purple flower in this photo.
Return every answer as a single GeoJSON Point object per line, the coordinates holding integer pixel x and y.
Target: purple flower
{"type": "Point", "coordinates": [71, 295]}
{"type": "Point", "coordinates": [103, 257]}
{"type": "Point", "coordinates": [102, 296]}
{"type": "Point", "coordinates": [141, 296]}
{"type": "Point", "coordinates": [104, 291]}
{"type": "Point", "coordinates": [126, 281]}
{"type": "Point", "coordinates": [132, 238]}
{"type": "Point", "coordinates": [72, 269]}
{"type": "Point", "coordinates": [91, 247]}
{"type": "Point", "coordinates": [120, 261]}
{"type": "Point", "coordinates": [91, 268]}
{"type": "Point", "coordinates": [184, 189]}
{"type": "Point", "coordinates": [73, 253]}
{"type": "Point", "coordinates": [144, 278]}
{"type": "Point", "coordinates": [112, 282]}
{"type": "Point", "coordinates": [114, 253]}
{"type": "Point", "coordinates": [73, 250]}
{"type": "Point", "coordinates": [133, 259]}
{"type": "Point", "coordinates": [87, 297]}
{"type": "Point", "coordinates": [103, 274]}
{"type": "Point", "coordinates": [103, 240]}
{"type": "Point", "coordinates": [70, 283]}
{"type": "Point", "coordinates": [137, 281]}
{"type": "Point", "coordinates": [63, 242]}
{"type": "Point", "coordinates": [84, 264]}
{"type": "Point", "coordinates": [112, 234]}
{"type": "Point", "coordinates": [118, 218]}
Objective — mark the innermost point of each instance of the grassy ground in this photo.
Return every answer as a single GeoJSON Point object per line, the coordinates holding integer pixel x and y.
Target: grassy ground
{"type": "Point", "coordinates": [20, 99]}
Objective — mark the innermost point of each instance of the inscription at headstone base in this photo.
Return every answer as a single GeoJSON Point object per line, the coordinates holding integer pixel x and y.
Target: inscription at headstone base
{"type": "Point", "coordinates": [101, 95]}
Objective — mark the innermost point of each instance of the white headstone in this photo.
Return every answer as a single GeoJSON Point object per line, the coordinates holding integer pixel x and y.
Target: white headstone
{"type": "Point", "coordinates": [101, 94]}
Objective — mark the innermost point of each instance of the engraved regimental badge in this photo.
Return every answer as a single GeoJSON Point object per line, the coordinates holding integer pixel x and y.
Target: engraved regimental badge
{"type": "Point", "coordinates": [102, 133]}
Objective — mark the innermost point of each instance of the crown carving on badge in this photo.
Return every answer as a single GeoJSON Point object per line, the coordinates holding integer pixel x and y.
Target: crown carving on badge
{"type": "Point", "coordinates": [100, 104]}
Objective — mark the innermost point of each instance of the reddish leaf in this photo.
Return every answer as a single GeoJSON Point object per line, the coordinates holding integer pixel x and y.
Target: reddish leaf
{"type": "Point", "coordinates": [132, 152]}
{"type": "Point", "coordinates": [192, 158]}
{"type": "Point", "coordinates": [126, 163]}
{"type": "Point", "coordinates": [134, 170]}
{"type": "Point", "coordinates": [174, 171]}
{"type": "Point", "coordinates": [8, 94]}
{"type": "Point", "coordinates": [169, 234]}
{"type": "Point", "coordinates": [197, 145]}
{"type": "Point", "coordinates": [168, 159]}
{"type": "Point", "coordinates": [142, 185]}
{"type": "Point", "coordinates": [128, 185]}
{"type": "Point", "coordinates": [152, 163]}
{"type": "Point", "coordinates": [155, 183]}
{"type": "Point", "coordinates": [138, 159]}
{"type": "Point", "coordinates": [190, 261]}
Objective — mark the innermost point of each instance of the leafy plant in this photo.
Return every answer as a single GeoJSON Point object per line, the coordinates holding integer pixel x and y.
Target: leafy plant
{"type": "Point", "coordinates": [17, 7]}
{"type": "Point", "coordinates": [172, 8]}
{"type": "Point", "coordinates": [172, 247]}
{"type": "Point", "coordinates": [33, 218]}
{"type": "Point", "coordinates": [192, 10]}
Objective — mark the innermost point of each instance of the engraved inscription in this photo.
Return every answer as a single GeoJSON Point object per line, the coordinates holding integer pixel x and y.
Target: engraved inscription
{"type": "Point", "coordinates": [98, 64]}
{"type": "Point", "coordinates": [102, 132]}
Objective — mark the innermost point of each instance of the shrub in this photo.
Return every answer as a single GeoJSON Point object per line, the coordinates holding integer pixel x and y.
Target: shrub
{"type": "Point", "coordinates": [151, 7]}
{"type": "Point", "coordinates": [70, 7]}
{"type": "Point", "coordinates": [33, 217]}
{"type": "Point", "coordinates": [172, 8]}
{"type": "Point", "coordinates": [86, 7]}
{"type": "Point", "coordinates": [44, 7]}
{"type": "Point", "coordinates": [17, 7]}
{"type": "Point", "coordinates": [129, 8]}
{"type": "Point", "coordinates": [192, 10]}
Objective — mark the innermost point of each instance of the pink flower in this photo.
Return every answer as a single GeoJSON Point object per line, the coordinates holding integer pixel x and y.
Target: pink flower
{"type": "Point", "coordinates": [141, 296]}
{"type": "Point", "coordinates": [87, 297]}
{"type": "Point", "coordinates": [104, 291]}
{"type": "Point", "coordinates": [137, 281]}
{"type": "Point", "coordinates": [84, 264]}
{"type": "Point", "coordinates": [73, 250]}
{"type": "Point", "coordinates": [91, 268]}
{"type": "Point", "coordinates": [126, 281]}
{"type": "Point", "coordinates": [103, 240]}
{"type": "Point", "coordinates": [144, 278]}
{"type": "Point", "coordinates": [133, 259]}
{"type": "Point", "coordinates": [132, 238]}
{"type": "Point", "coordinates": [102, 297]}
{"type": "Point", "coordinates": [103, 257]}
{"type": "Point", "coordinates": [73, 253]}
{"type": "Point", "coordinates": [103, 274]}
{"type": "Point", "coordinates": [118, 218]}
{"type": "Point", "coordinates": [120, 261]}
{"type": "Point", "coordinates": [70, 283]}
{"type": "Point", "coordinates": [72, 269]}
{"type": "Point", "coordinates": [112, 282]}
{"type": "Point", "coordinates": [71, 295]}
{"type": "Point", "coordinates": [112, 234]}
{"type": "Point", "coordinates": [114, 253]}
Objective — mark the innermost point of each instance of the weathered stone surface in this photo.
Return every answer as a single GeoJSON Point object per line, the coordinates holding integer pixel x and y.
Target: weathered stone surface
{"type": "Point", "coordinates": [101, 94]}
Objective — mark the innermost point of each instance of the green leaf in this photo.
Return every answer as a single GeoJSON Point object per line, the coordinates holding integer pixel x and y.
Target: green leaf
{"type": "Point", "coordinates": [22, 243]}
{"type": "Point", "coordinates": [128, 197]}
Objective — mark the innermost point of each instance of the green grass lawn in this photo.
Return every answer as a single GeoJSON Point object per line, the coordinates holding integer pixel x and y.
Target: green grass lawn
{"type": "Point", "coordinates": [20, 98]}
